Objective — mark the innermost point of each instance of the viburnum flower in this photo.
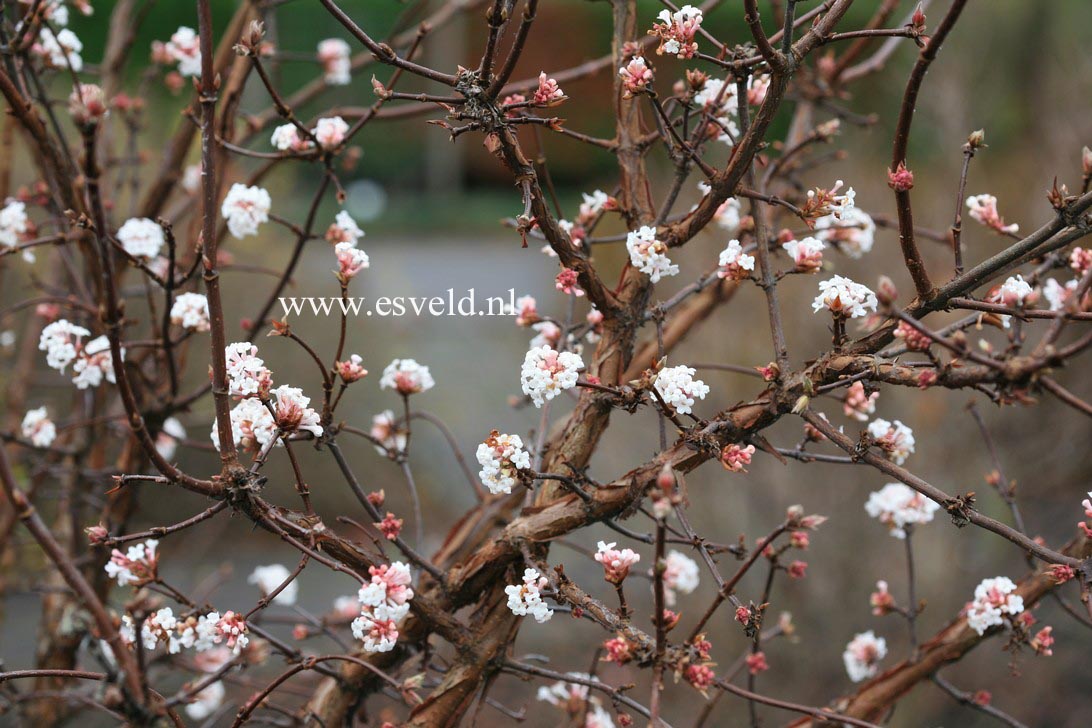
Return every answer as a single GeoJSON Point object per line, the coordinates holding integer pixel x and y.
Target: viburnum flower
{"type": "Point", "coordinates": [678, 388]}
{"type": "Point", "coordinates": [676, 31]}
{"type": "Point", "coordinates": [822, 202]}
{"type": "Point", "coordinates": [546, 373]}
{"type": "Point", "coordinates": [571, 697]}
{"type": "Point", "coordinates": [844, 297]}
{"type": "Point", "coordinates": [807, 254]}
{"type": "Point", "coordinates": [734, 263]}
{"type": "Point", "coordinates": [897, 506]}
{"type": "Point", "coordinates": [736, 458]}
{"type": "Point", "coordinates": [377, 628]}
{"type": "Point", "coordinates": [246, 371]}
{"type": "Point", "coordinates": [618, 649]}
{"type": "Point", "coordinates": [390, 526]}
{"type": "Point", "coordinates": [14, 224]}
{"type": "Point", "coordinates": [595, 321]}
{"type": "Point", "coordinates": [406, 376]}
{"type": "Point", "coordinates": [595, 203]}
{"type": "Point", "coordinates": [616, 562]}
{"type": "Point", "coordinates": [719, 100]}
{"type": "Point", "coordinates": [344, 229]}
{"type": "Point", "coordinates": [1042, 641]}
{"type": "Point", "coordinates": [166, 442]}
{"type": "Point", "coordinates": [245, 209]}
{"type": "Point", "coordinates": [757, 86]}
{"type": "Point", "coordinates": [680, 575]}
{"type": "Point", "coordinates": [863, 654]}
{"type": "Point", "coordinates": [191, 311]}
{"type": "Point", "coordinates": [548, 92]}
{"type": "Point", "coordinates": [141, 237]}
{"type": "Point", "coordinates": [526, 598]}
{"type": "Point", "coordinates": [185, 48]}
{"type": "Point", "coordinates": [1056, 294]}
{"type": "Point", "coordinates": [191, 178]}
{"type": "Point", "coordinates": [136, 566]}
{"type": "Point", "coordinates": [983, 209]}
{"type": "Point", "coordinates": [729, 214]}
{"type": "Point", "coordinates": [268, 578]}
{"type": "Point", "coordinates": [756, 663]}
{"type": "Point", "coordinates": [61, 50]}
{"type": "Point", "coordinates": [516, 100]}
{"type": "Point", "coordinates": [914, 339]}
{"type": "Point", "coordinates": [206, 701]}
{"type": "Point", "coordinates": [566, 282]}
{"type": "Point", "coordinates": [702, 677]}
{"type": "Point", "coordinates": [636, 76]}
{"type": "Point", "coordinates": [38, 428]}
{"type": "Point", "coordinates": [87, 104]}
{"type": "Point", "coordinates": [881, 600]}
{"type": "Point", "coordinates": [1087, 505]}
{"type": "Point", "coordinates": [501, 458]}
{"type": "Point", "coordinates": [334, 55]}
{"type": "Point", "coordinates": [252, 426]}
{"type": "Point", "coordinates": [993, 598]}
{"type": "Point", "coordinates": [858, 404]}
{"type": "Point", "coordinates": [61, 340]}
{"type": "Point", "coordinates": [853, 233]}
{"type": "Point", "coordinates": [526, 311]}
{"type": "Point", "coordinates": [901, 180]}
{"type": "Point", "coordinates": [797, 569]}
{"type": "Point", "coordinates": [331, 131]}
{"type": "Point", "coordinates": [351, 369]}
{"type": "Point", "coordinates": [649, 255]}
{"type": "Point", "coordinates": [351, 260]}
{"type": "Point", "coordinates": [1080, 260]}
{"type": "Point", "coordinates": [383, 603]}
{"type": "Point", "coordinates": [287, 137]}
{"type": "Point", "coordinates": [386, 431]}
{"type": "Point", "coordinates": [293, 413]}
{"type": "Point", "coordinates": [895, 438]}
{"type": "Point", "coordinates": [230, 629]}
{"type": "Point", "coordinates": [1014, 292]}
{"type": "Point", "coordinates": [94, 363]}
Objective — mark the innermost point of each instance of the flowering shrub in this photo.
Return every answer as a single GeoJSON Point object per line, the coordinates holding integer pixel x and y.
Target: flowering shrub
{"type": "Point", "coordinates": [118, 265]}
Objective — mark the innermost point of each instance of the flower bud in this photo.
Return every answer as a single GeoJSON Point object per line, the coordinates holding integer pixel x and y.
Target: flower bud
{"type": "Point", "coordinates": [87, 104]}
{"type": "Point", "coordinates": [977, 139]}
{"type": "Point", "coordinates": [886, 292]}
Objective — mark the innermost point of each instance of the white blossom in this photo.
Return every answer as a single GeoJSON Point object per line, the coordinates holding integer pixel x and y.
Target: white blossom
{"type": "Point", "coordinates": [135, 566]}
{"type": "Point", "coordinates": [185, 48]}
{"type": "Point", "coordinates": [287, 137]}
{"type": "Point", "coordinates": [268, 578]}
{"type": "Point", "coordinates": [14, 223]}
{"type": "Point", "coordinates": [501, 457]}
{"type": "Point", "coordinates": [863, 655]}
{"type": "Point", "coordinates": [330, 131]}
{"type": "Point", "coordinates": [406, 376]}
{"type": "Point", "coordinates": [60, 340]}
{"type": "Point", "coordinates": [993, 598]}
{"type": "Point", "coordinates": [246, 371]}
{"type": "Point", "coordinates": [681, 575]}
{"type": "Point", "coordinates": [842, 296]}
{"type": "Point", "coordinates": [206, 701]}
{"type": "Point", "coordinates": [649, 255]}
{"type": "Point", "coordinates": [334, 55]}
{"type": "Point", "coordinates": [526, 598]}
{"type": "Point", "coordinates": [293, 413]}
{"type": "Point", "coordinates": [62, 50]}
{"type": "Point", "coordinates": [897, 506]}
{"type": "Point", "coordinates": [383, 603]}
{"type": "Point", "coordinates": [679, 389]}
{"type": "Point", "coordinates": [344, 229]}
{"type": "Point", "coordinates": [734, 263]}
{"type": "Point", "coordinates": [853, 233]}
{"type": "Point", "coordinates": [166, 442]}
{"type": "Point", "coordinates": [1056, 294]}
{"type": "Point", "coordinates": [245, 208]}
{"type": "Point", "coordinates": [252, 426]}
{"type": "Point", "coordinates": [546, 373]}
{"type": "Point", "coordinates": [894, 438]}
{"type": "Point", "coordinates": [94, 363]}
{"type": "Point", "coordinates": [191, 311]}
{"type": "Point", "coordinates": [38, 428]}
{"type": "Point", "coordinates": [141, 237]}
{"type": "Point", "coordinates": [387, 431]}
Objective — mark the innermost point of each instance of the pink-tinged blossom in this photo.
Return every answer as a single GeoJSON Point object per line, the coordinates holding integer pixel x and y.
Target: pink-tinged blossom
{"type": "Point", "coordinates": [245, 209]}
{"type": "Point", "coordinates": [546, 373]}
{"type": "Point", "coordinates": [184, 47]}
{"type": "Point", "coordinates": [983, 209]}
{"type": "Point", "coordinates": [1080, 260]}
{"type": "Point", "coordinates": [268, 578]}
{"type": "Point", "coordinates": [734, 263]}
{"type": "Point", "coordinates": [191, 311]}
{"type": "Point", "coordinates": [679, 389]}
{"type": "Point", "coordinates": [350, 260]}
{"type": "Point", "coordinates": [37, 428]}
{"type": "Point", "coordinates": [344, 230]}
{"type": "Point", "coordinates": [516, 100]}
{"type": "Point", "coordinates": [719, 100]}
{"type": "Point", "coordinates": [526, 598]}
{"type": "Point", "coordinates": [822, 202]}
{"type": "Point", "coordinates": [858, 404]}
{"type": "Point", "coordinates": [900, 180]}
{"type": "Point", "coordinates": [616, 562]}
{"type": "Point", "coordinates": [1014, 293]}
{"type": "Point", "coordinates": [141, 237]}
{"type": "Point", "coordinates": [94, 364]}
{"type": "Point", "coordinates": [1056, 294]}
{"type": "Point", "coordinates": [881, 600]}
{"type": "Point", "coordinates": [331, 131]}
{"type": "Point", "coordinates": [595, 204]}
{"type": "Point", "coordinates": [756, 663]}
{"type": "Point", "coordinates": [351, 370]}
{"type": "Point", "coordinates": [252, 426]}
{"type": "Point", "coordinates": [566, 282]}
{"type": "Point", "coordinates": [743, 615]}
{"type": "Point", "coordinates": [293, 413]}
{"type": "Point", "coordinates": [914, 339]}
{"type": "Point", "coordinates": [526, 311]}
{"type": "Point", "coordinates": [680, 575]}
{"type": "Point", "coordinates": [993, 599]}
{"type": "Point", "coordinates": [334, 55]}
{"type": "Point", "coordinates": [649, 255]}
{"type": "Point", "coordinates": [798, 569]}
{"type": "Point", "coordinates": [377, 628]}
{"type": "Point", "coordinates": [1061, 573]}
{"type": "Point", "coordinates": [636, 76]}
{"type": "Point", "coordinates": [896, 439]}
{"type": "Point", "coordinates": [288, 138]}
{"type": "Point", "coordinates": [757, 86]}
{"type": "Point", "coordinates": [548, 92]}
{"type": "Point", "coordinates": [246, 371]}
{"type": "Point", "coordinates": [390, 435]}
{"type": "Point", "coordinates": [618, 649]}
{"type": "Point", "coordinates": [1043, 641]}
{"type": "Point", "coordinates": [844, 297]}
{"type": "Point", "coordinates": [501, 458]}
{"type": "Point", "coordinates": [595, 325]}
{"type": "Point", "coordinates": [390, 526]}
{"type": "Point", "coordinates": [547, 333]}
{"type": "Point", "coordinates": [406, 376]}
{"type": "Point", "coordinates": [863, 654]}
{"type": "Point", "coordinates": [799, 540]}
{"type": "Point", "coordinates": [136, 566]}
{"type": "Point", "coordinates": [676, 31]}
{"type": "Point", "coordinates": [702, 677]}
{"type": "Point", "coordinates": [1087, 505]}
{"type": "Point", "coordinates": [735, 458]}
{"type": "Point", "coordinates": [853, 233]}
{"type": "Point", "coordinates": [87, 104]}
{"type": "Point", "coordinates": [807, 254]}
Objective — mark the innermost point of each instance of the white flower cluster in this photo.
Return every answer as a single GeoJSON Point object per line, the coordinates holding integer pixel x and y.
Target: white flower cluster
{"type": "Point", "coordinates": [206, 701]}
{"type": "Point", "coordinates": [842, 296]}
{"type": "Point", "coordinates": [896, 506]}
{"type": "Point", "coordinates": [679, 389]}
{"type": "Point", "coordinates": [200, 634]}
{"type": "Point", "coordinates": [526, 598]}
{"type": "Point", "coordinates": [252, 426]}
{"type": "Point", "coordinates": [38, 428]}
{"type": "Point", "coordinates": [334, 55]}
{"type": "Point", "coordinates": [184, 47]}
{"type": "Point", "coordinates": [1056, 294]}
{"type": "Point", "coordinates": [134, 566]}
{"type": "Point", "coordinates": [246, 371]}
{"type": "Point", "coordinates": [388, 433]}
{"type": "Point", "coordinates": [293, 411]}
{"type": "Point", "coordinates": [191, 311]}
{"type": "Point", "coordinates": [863, 654]}
{"type": "Point", "coordinates": [894, 437]}
{"type": "Point", "coordinates": [328, 131]}
{"type": "Point", "coordinates": [383, 603]}
{"type": "Point", "coordinates": [60, 50]}
{"type": "Point", "coordinates": [63, 343]}
{"type": "Point", "coordinates": [406, 376]}
{"type": "Point", "coordinates": [567, 695]}
{"type": "Point", "coordinates": [268, 578]}
{"type": "Point", "coordinates": [734, 263]}
{"type": "Point", "coordinates": [501, 457]}
{"type": "Point", "coordinates": [141, 237]}
{"type": "Point", "coordinates": [166, 442]}
{"type": "Point", "coordinates": [723, 104]}
{"type": "Point", "coordinates": [546, 373]}
{"type": "Point", "coordinates": [853, 233]}
{"type": "Point", "coordinates": [14, 223]}
{"type": "Point", "coordinates": [681, 575]}
{"type": "Point", "coordinates": [344, 229]}
{"type": "Point", "coordinates": [649, 255]}
{"type": "Point", "coordinates": [993, 598]}
{"type": "Point", "coordinates": [245, 208]}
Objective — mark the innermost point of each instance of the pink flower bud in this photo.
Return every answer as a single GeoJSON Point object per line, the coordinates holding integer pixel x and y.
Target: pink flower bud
{"type": "Point", "coordinates": [87, 104]}
{"type": "Point", "coordinates": [901, 180]}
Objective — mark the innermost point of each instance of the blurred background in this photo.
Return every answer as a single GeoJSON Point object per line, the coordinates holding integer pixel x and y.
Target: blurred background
{"type": "Point", "coordinates": [432, 211]}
